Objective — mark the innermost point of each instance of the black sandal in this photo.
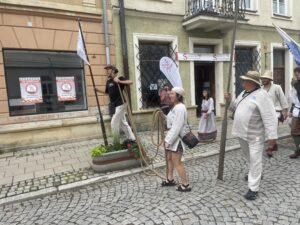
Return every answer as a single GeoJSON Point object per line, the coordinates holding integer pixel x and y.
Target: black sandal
{"type": "Point", "coordinates": [184, 188]}
{"type": "Point", "coordinates": [168, 183]}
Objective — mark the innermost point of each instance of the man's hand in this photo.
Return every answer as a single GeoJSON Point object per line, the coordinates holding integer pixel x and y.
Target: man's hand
{"type": "Point", "coordinates": [285, 114]}
{"type": "Point", "coordinates": [117, 80]}
{"type": "Point", "coordinates": [205, 115]}
{"type": "Point", "coordinates": [272, 142]}
{"type": "Point", "coordinates": [290, 114]}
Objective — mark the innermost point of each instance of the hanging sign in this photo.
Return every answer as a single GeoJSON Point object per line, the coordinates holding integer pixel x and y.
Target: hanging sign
{"type": "Point", "coordinates": [170, 70]}
{"type": "Point", "coordinates": [203, 57]}
{"type": "Point", "coordinates": [31, 89]}
{"type": "Point", "coordinates": [65, 89]}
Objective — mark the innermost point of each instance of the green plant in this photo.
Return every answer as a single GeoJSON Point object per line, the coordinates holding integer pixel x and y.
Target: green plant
{"type": "Point", "coordinates": [133, 150]}
{"type": "Point", "coordinates": [99, 150]}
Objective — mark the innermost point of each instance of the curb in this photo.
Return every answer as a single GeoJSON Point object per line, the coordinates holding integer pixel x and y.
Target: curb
{"type": "Point", "coordinates": [65, 187]}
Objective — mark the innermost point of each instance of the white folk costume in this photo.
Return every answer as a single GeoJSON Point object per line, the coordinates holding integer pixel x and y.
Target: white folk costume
{"type": "Point", "coordinates": [207, 130]}
{"type": "Point", "coordinates": [177, 127]}
{"type": "Point", "coordinates": [276, 94]}
{"type": "Point", "coordinates": [254, 122]}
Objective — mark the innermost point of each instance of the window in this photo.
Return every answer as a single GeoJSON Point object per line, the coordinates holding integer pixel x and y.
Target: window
{"type": "Point", "coordinates": [152, 79]}
{"type": "Point", "coordinates": [44, 82]}
{"type": "Point", "coordinates": [279, 67]}
{"type": "Point", "coordinates": [280, 7]}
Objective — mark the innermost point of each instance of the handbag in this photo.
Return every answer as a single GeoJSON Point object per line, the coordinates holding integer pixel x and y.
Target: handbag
{"type": "Point", "coordinates": [190, 139]}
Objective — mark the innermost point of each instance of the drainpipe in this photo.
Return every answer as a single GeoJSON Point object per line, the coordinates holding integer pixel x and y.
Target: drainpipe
{"type": "Point", "coordinates": [106, 37]}
{"type": "Point", "coordinates": [124, 42]}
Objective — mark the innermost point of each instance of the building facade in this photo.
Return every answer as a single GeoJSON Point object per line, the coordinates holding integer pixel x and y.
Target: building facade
{"type": "Point", "coordinates": [165, 27]}
{"type": "Point", "coordinates": [46, 92]}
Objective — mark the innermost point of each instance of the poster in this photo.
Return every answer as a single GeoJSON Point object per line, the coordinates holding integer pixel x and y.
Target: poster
{"type": "Point", "coordinates": [31, 90]}
{"type": "Point", "coordinates": [65, 89]}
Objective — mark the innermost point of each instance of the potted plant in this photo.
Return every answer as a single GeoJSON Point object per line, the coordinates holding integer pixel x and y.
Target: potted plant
{"type": "Point", "coordinates": [115, 157]}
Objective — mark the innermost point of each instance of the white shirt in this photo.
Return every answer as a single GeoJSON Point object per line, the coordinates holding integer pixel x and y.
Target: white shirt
{"type": "Point", "coordinates": [276, 94]}
{"type": "Point", "coordinates": [295, 101]}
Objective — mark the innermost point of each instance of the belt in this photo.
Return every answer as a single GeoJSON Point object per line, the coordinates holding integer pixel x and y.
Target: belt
{"type": "Point", "coordinates": [204, 111]}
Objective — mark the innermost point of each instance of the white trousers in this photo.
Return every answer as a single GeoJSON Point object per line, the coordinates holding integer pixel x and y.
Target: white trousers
{"type": "Point", "coordinates": [119, 121]}
{"type": "Point", "coordinates": [253, 151]}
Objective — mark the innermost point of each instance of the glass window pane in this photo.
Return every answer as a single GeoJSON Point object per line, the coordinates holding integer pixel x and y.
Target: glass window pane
{"type": "Point", "coordinates": [46, 66]}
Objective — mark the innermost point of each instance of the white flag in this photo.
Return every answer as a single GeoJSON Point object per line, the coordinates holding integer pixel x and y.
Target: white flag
{"type": "Point", "coordinates": [170, 70]}
{"type": "Point", "coordinates": [80, 48]}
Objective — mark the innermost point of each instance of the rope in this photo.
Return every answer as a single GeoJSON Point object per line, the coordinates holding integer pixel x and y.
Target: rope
{"type": "Point", "coordinates": [145, 159]}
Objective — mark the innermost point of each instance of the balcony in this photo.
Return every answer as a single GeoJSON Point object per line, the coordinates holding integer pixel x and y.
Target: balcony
{"type": "Point", "coordinates": [212, 14]}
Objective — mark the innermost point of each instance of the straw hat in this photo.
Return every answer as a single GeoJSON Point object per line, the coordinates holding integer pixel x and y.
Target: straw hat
{"type": "Point", "coordinates": [252, 76]}
{"type": "Point", "coordinates": [179, 90]}
{"type": "Point", "coordinates": [268, 74]}
{"type": "Point", "coordinates": [109, 66]}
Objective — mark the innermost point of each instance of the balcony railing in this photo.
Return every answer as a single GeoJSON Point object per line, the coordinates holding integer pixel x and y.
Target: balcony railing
{"type": "Point", "coordinates": [216, 8]}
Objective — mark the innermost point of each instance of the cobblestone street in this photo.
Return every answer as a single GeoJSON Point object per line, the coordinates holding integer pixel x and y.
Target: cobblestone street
{"type": "Point", "coordinates": [139, 199]}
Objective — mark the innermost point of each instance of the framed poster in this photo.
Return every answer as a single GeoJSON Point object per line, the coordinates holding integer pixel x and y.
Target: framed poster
{"type": "Point", "coordinates": [31, 90]}
{"type": "Point", "coordinates": [65, 89]}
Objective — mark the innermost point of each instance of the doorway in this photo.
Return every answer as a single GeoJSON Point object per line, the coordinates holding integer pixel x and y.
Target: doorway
{"type": "Point", "coordinates": [279, 67]}
{"type": "Point", "coordinates": [204, 79]}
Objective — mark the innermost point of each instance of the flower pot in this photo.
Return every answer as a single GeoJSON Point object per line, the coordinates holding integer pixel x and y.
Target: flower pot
{"type": "Point", "coordinates": [112, 161]}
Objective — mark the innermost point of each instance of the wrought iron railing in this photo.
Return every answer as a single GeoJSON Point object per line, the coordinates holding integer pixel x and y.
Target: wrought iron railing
{"type": "Point", "coordinates": [216, 8]}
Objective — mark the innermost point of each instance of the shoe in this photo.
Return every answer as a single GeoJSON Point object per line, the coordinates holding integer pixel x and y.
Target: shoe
{"type": "Point", "coordinates": [251, 195]}
{"type": "Point", "coordinates": [184, 188]}
{"type": "Point", "coordinates": [269, 153]}
{"type": "Point", "coordinates": [295, 155]}
{"type": "Point", "coordinates": [168, 183]}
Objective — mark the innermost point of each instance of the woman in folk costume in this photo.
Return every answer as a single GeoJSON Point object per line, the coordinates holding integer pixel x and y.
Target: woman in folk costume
{"type": "Point", "coordinates": [177, 128]}
{"type": "Point", "coordinates": [207, 126]}
{"type": "Point", "coordinates": [295, 112]}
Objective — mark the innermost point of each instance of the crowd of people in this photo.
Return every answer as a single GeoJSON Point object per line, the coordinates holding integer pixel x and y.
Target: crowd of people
{"type": "Point", "coordinates": [257, 111]}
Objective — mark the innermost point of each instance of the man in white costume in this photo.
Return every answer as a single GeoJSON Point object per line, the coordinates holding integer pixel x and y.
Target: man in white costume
{"type": "Point", "coordinates": [279, 100]}
{"type": "Point", "coordinates": [254, 122]}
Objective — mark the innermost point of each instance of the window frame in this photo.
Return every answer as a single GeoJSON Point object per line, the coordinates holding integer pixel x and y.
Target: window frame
{"type": "Point", "coordinates": [277, 12]}
{"type": "Point", "coordinates": [85, 108]}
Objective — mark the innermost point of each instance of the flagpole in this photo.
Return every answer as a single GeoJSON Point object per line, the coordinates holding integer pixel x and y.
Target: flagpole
{"type": "Point", "coordinates": [94, 86]}
{"type": "Point", "coordinates": [224, 122]}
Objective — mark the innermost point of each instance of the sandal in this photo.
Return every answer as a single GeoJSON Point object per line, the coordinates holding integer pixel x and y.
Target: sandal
{"type": "Point", "coordinates": [184, 188]}
{"type": "Point", "coordinates": [168, 183]}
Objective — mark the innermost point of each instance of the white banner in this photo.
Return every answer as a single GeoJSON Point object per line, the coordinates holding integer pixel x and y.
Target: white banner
{"type": "Point", "coordinates": [170, 70]}
{"type": "Point", "coordinates": [65, 89]}
{"type": "Point", "coordinates": [202, 57]}
{"type": "Point", "coordinates": [80, 48]}
{"type": "Point", "coordinates": [31, 90]}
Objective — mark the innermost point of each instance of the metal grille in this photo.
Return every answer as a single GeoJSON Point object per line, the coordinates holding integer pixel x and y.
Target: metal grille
{"type": "Point", "coordinates": [220, 8]}
{"type": "Point", "coordinates": [245, 59]}
{"type": "Point", "coordinates": [151, 78]}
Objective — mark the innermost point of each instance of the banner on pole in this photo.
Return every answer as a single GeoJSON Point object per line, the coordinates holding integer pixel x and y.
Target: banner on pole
{"type": "Point", "coordinates": [31, 90]}
{"type": "Point", "coordinates": [170, 70]}
{"type": "Point", "coordinates": [80, 48]}
{"type": "Point", "coordinates": [65, 89]}
{"type": "Point", "coordinates": [212, 57]}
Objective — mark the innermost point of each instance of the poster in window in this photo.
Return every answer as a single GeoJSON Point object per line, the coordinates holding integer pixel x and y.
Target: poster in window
{"type": "Point", "coordinates": [31, 90]}
{"type": "Point", "coordinates": [65, 89]}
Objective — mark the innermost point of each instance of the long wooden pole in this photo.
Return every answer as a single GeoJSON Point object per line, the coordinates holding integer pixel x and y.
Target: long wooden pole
{"type": "Point", "coordinates": [94, 86]}
{"type": "Point", "coordinates": [224, 122]}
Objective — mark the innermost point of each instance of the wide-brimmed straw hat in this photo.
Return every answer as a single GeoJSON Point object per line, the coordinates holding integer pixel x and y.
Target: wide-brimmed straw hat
{"type": "Point", "coordinates": [268, 75]}
{"type": "Point", "coordinates": [179, 90]}
{"type": "Point", "coordinates": [253, 76]}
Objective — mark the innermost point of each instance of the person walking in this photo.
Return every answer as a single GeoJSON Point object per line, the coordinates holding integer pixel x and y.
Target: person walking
{"type": "Point", "coordinates": [165, 101]}
{"type": "Point", "coordinates": [295, 112]}
{"type": "Point", "coordinates": [117, 107]}
{"type": "Point", "coordinates": [207, 125]}
{"type": "Point", "coordinates": [254, 121]}
{"type": "Point", "coordinates": [279, 100]}
{"type": "Point", "coordinates": [177, 128]}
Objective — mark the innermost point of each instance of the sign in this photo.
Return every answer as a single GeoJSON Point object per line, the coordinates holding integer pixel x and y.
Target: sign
{"type": "Point", "coordinates": [31, 89]}
{"type": "Point", "coordinates": [203, 57]}
{"type": "Point", "coordinates": [65, 89]}
{"type": "Point", "coordinates": [170, 70]}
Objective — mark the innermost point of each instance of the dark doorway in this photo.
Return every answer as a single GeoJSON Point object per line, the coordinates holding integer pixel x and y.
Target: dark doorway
{"type": "Point", "coordinates": [204, 79]}
{"type": "Point", "coordinates": [279, 68]}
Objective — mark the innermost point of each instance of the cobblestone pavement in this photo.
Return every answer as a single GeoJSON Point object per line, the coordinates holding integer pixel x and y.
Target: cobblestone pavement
{"type": "Point", "coordinates": [45, 167]}
{"type": "Point", "coordinates": [139, 199]}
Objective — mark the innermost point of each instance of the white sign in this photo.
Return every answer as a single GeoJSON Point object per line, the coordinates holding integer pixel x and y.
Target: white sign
{"type": "Point", "coordinates": [202, 57]}
{"type": "Point", "coordinates": [170, 70]}
{"type": "Point", "coordinates": [65, 89]}
{"type": "Point", "coordinates": [31, 89]}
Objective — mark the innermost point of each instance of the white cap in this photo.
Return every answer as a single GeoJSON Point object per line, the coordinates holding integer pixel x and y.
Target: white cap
{"type": "Point", "coordinates": [179, 90]}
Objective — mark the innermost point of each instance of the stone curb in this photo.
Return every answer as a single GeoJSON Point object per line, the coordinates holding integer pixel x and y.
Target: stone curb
{"type": "Point", "coordinates": [125, 173]}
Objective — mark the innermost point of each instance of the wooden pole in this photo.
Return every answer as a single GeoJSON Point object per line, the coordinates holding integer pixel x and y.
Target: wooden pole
{"type": "Point", "coordinates": [224, 122]}
{"type": "Point", "coordinates": [94, 86]}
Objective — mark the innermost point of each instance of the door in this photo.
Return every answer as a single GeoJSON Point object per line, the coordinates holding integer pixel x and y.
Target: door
{"type": "Point", "coordinates": [279, 67]}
